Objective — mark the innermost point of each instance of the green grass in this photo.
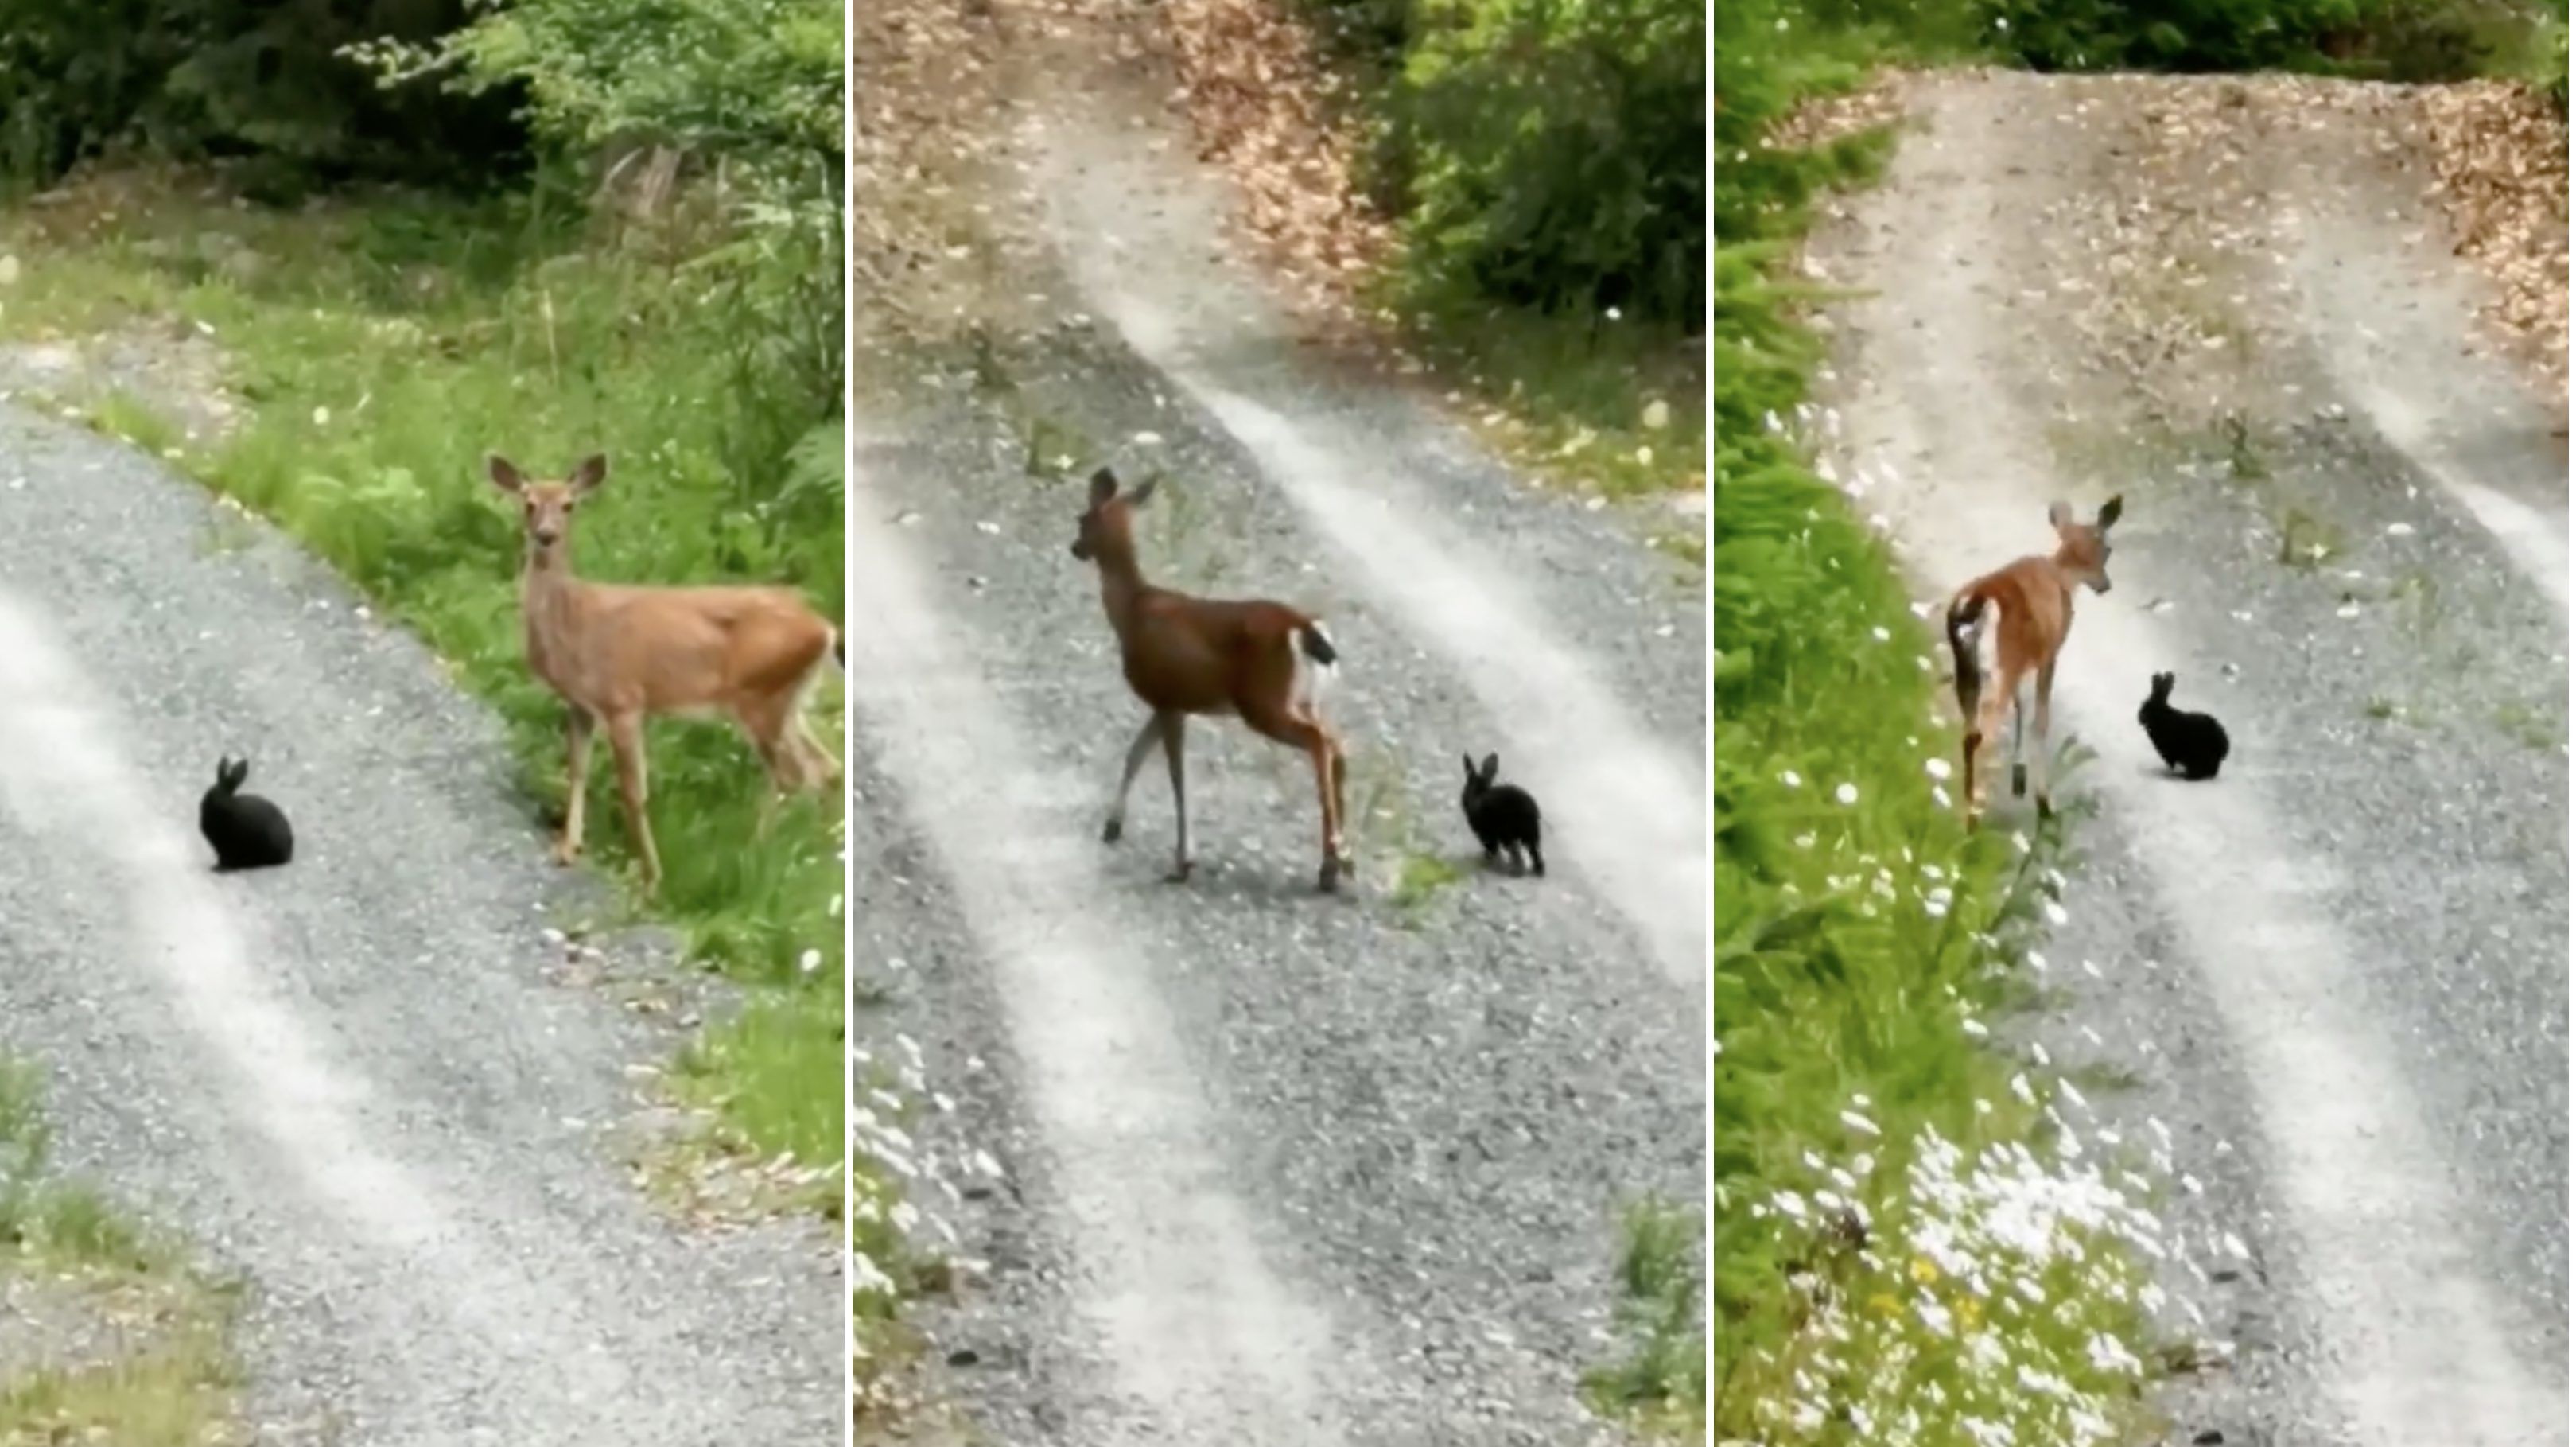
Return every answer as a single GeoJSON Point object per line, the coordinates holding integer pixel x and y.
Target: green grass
{"type": "Point", "coordinates": [1660, 1382]}
{"type": "Point", "coordinates": [1422, 878]}
{"type": "Point", "coordinates": [167, 1377]}
{"type": "Point", "coordinates": [1570, 395]}
{"type": "Point", "coordinates": [382, 345]}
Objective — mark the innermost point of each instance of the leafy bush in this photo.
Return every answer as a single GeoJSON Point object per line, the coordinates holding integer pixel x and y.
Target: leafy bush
{"type": "Point", "coordinates": [1547, 153]}
{"type": "Point", "coordinates": [238, 78]}
{"type": "Point", "coordinates": [754, 85]}
{"type": "Point", "coordinates": [2404, 40]}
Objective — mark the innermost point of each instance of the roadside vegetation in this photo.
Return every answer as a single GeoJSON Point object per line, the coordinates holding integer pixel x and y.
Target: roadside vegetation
{"type": "Point", "coordinates": [408, 235]}
{"type": "Point", "coordinates": [1508, 189]}
{"type": "Point", "coordinates": [1919, 1237]}
{"type": "Point", "coordinates": [109, 1334]}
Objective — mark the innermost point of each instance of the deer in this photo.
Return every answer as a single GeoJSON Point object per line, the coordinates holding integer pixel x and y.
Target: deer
{"type": "Point", "coordinates": [619, 654]}
{"type": "Point", "coordinates": [1261, 661]}
{"type": "Point", "coordinates": [2021, 611]}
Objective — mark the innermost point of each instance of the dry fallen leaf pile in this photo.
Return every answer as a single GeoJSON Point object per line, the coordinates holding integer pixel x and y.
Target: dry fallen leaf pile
{"type": "Point", "coordinates": [1823, 120]}
{"type": "Point", "coordinates": [2500, 153]}
{"type": "Point", "coordinates": [924, 81]}
{"type": "Point", "coordinates": [1265, 108]}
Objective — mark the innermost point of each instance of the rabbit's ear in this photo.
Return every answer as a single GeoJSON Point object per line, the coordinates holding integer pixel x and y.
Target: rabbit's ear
{"type": "Point", "coordinates": [504, 476]}
{"type": "Point", "coordinates": [590, 474]}
{"type": "Point", "coordinates": [1493, 765]}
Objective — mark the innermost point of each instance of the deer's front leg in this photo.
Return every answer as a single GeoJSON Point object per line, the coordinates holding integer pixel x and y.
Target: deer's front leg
{"type": "Point", "coordinates": [1117, 825]}
{"type": "Point", "coordinates": [1172, 726]}
{"type": "Point", "coordinates": [568, 847]}
{"type": "Point", "coordinates": [626, 740]}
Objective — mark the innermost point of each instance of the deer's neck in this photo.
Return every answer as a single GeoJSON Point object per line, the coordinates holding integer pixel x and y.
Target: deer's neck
{"type": "Point", "coordinates": [549, 607]}
{"type": "Point", "coordinates": [1121, 583]}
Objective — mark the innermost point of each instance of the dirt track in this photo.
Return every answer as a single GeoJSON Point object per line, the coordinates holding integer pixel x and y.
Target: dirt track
{"type": "Point", "coordinates": [1275, 1168]}
{"type": "Point", "coordinates": [2338, 973]}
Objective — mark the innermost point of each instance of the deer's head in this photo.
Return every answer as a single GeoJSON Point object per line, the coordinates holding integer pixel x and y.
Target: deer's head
{"type": "Point", "coordinates": [546, 507]}
{"type": "Point", "coordinates": [1107, 527]}
{"type": "Point", "coordinates": [2084, 549]}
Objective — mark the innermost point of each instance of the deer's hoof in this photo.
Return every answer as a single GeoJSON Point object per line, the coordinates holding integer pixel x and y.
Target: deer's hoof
{"type": "Point", "coordinates": [2046, 811]}
{"type": "Point", "coordinates": [1110, 831]}
{"type": "Point", "coordinates": [1329, 879]}
{"type": "Point", "coordinates": [567, 855]}
{"type": "Point", "coordinates": [1180, 873]}
{"type": "Point", "coordinates": [2021, 780]}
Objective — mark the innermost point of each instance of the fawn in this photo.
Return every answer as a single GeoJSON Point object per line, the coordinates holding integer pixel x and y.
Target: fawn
{"type": "Point", "coordinates": [619, 654]}
{"type": "Point", "coordinates": [1264, 662]}
{"type": "Point", "coordinates": [2023, 609]}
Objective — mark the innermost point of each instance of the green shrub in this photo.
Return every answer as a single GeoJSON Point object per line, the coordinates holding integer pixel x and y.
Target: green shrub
{"type": "Point", "coordinates": [1547, 153]}
{"type": "Point", "coordinates": [2403, 40]}
{"type": "Point", "coordinates": [191, 79]}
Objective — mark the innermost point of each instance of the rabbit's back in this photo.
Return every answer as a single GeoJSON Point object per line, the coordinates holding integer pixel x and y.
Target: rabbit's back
{"type": "Point", "coordinates": [246, 831]}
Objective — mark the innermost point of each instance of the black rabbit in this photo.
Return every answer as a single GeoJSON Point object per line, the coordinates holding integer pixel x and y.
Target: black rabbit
{"type": "Point", "coordinates": [2192, 743]}
{"type": "Point", "coordinates": [1504, 816]}
{"type": "Point", "coordinates": [248, 832]}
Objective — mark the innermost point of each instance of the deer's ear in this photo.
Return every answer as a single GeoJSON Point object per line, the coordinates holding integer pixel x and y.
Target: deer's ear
{"type": "Point", "coordinates": [2059, 514]}
{"type": "Point", "coordinates": [504, 476]}
{"type": "Point", "coordinates": [1104, 486]}
{"type": "Point", "coordinates": [2110, 513]}
{"type": "Point", "coordinates": [592, 472]}
{"type": "Point", "coordinates": [1143, 491]}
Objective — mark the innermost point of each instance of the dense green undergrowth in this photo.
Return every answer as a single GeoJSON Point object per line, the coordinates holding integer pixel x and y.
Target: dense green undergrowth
{"type": "Point", "coordinates": [1541, 160]}
{"type": "Point", "coordinates": [381, 345]}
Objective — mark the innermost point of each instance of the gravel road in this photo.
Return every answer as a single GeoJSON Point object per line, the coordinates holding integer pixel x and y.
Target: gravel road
{"type": "Point", "coordinates": [2337, 973]}
{"type": "Point", "coordinates": [351, 1081]}
{"type": "Point", "coordinates": [1274, 1167]}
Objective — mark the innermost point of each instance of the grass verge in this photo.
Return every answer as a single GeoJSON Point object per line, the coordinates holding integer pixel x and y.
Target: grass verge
{"type": "Point", "coordinates": [123, 1341]}
{"type": "Point", "coordinates": [380, 346]}
{"type": "Point", "coordinates": [1914, 1240]}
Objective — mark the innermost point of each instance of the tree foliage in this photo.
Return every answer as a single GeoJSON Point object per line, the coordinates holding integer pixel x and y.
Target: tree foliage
{"type": "Point", "coordinates": [260, 79]}
{"type": "Point", "coordinates": [1543, 153]}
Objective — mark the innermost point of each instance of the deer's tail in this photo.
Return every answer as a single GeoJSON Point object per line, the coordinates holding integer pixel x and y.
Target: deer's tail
{"type": "Point", "coordinates": [1966, 625]}
{"type": "Point", "coordinates": [1312, 661]}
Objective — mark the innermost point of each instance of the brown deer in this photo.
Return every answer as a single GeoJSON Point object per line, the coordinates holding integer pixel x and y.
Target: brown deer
{"type": "Point", "coordinates": [1264, 662]}
{"type": "Point", "coordinates": [619, 655]}
{"type": "Point", "coordinates": [2022, 610]}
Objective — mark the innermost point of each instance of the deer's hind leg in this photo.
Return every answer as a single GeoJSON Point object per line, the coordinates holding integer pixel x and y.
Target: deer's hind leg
{"type": "Point", "coordinates": [1301, 732]}
{"type": "Point", "coordinates": [1987, 725]}
{"type": "Point", "coordinates": [770, 726]}
{"type": "Point", "coordinates": [626, 740]}
{"type": "Point", "coordinates": [2040, 688]}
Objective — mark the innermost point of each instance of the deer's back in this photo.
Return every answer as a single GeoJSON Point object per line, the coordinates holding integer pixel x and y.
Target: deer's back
{"type": "Point", "coordinates": [670, 650]}
{"type": "Point", "coordinates": [1204, 655]}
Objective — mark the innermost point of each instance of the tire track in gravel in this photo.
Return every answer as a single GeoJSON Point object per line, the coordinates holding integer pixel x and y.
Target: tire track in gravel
{"type": "Point", "coordinates": [1339, 458]}
{"type": "Point", "coordinates": [1412, 1116]}
{"type": "Point", "coordinates": [346, 1079]}
{"type": "Point", "coordinates": [2328, 1036]}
